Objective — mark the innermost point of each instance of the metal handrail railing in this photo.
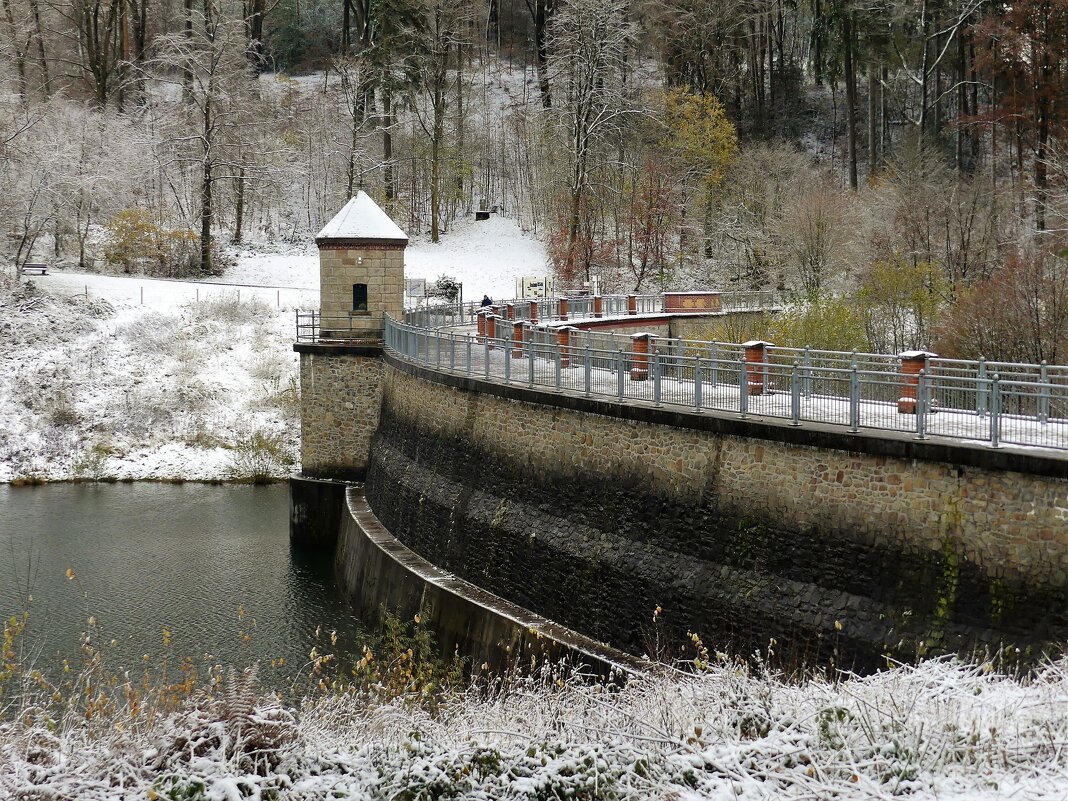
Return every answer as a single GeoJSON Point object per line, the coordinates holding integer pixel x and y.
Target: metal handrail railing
{"type": "Point", "coordinates": [856, 391]}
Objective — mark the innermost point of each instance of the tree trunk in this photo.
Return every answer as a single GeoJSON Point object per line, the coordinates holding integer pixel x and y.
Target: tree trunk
{"type": "Point", "coordinates": [817, 42]}
{"type": "Point", "coordinates": [388, 173]}
{"type": "Point", "coordinates": [346, 26]}
{"type": "Point", "coordinates": [493, 23]}
{"type": "Point", "coordinates": [873, 118]}
{"type": "Point", "coordinates": [460, 144]}
{"type": "Point", "coordinates": [46, 85]}
{"type": "Point", "coordinates": [925, 73]}
{"type": "Point", "coordinates": [541, 12]}
{"type": "Point", "coordinates": [207, 211]}
{"type": "Point", "coordinates": [187, 28]}
{"type": "Point", "coordinates": [16, 49]}
{"type": "Point", "coordinates": [851, 95]}
{"type": "Point", "coordinates": [239, 212]}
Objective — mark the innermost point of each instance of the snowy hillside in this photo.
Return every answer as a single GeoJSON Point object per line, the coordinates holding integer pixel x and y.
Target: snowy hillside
{"type": "Point", "coordinates": [115, 378]}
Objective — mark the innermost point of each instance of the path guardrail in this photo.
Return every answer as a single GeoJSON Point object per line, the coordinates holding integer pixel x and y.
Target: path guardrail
{"type": "Point", "coordinates": [996, 403]}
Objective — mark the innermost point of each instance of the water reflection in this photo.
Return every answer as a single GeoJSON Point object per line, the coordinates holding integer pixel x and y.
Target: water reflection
{"type": "Point", "coordinates": [210, 564]}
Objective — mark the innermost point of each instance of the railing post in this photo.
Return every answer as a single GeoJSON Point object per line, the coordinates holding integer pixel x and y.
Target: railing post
{"type": "Point", "coordinates": [561, 305]}
{"type": "Point", "coordinates": [755, 358]}
{"type": "Point", "coordinates": [468, 342]}
{"type": "Point", "coordinates": [1043, 393]}
{"type": "Point", "coordinates": [563, 338]}
{"type": "Point", "coordinates": [507, 363]}
{"type": "Point", "coordinates": [620, 367]}
{"type": "Point", "coordinates": [517, 339]}
{"type": "Point", "coordinates": [854, 398]}
{"type": "Point", "coordinates": [639, 364]}
{"type": "Point", "coordinates": [452, 350]}
{"type": "Point", "coordinates": [795, 395]}
{"type": "Point", "coordinates": [743, 387]}
{"type": "Point", "coordinates": [632, 304]}
{"type": "Point", "coordinates": [921, 405]}
{"type": "Point", "coordinates": [486, 354]}
{"type": "Point", "coordinates": [533, 314]}
{"type": "Point", "coordinates": [697, 382]}
{"type": "Point", "coordinates": [559, 383]}
{"type": "Point", "coordinates": [588, 369]}
{"type": "Point", "coordinates": [598, 306]}
{"type": "Point", "coordinates": [995, 411]}
{"type": "Point", "coordinates": [656, 376]}
{"type": "Point", "coordinates": [713, 354]}
{"type": "Point", "coordinates": [912, 362]}
{"type": "Point", "coordinates": [530, 360]}
{"type": "Point", "coordinates": [807, 373]}
{"type": "Point", "coordinates": [981, 399]}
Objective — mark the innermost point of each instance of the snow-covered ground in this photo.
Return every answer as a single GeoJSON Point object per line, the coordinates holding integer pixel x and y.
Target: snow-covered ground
{"type": "Point", "coordinates": [936, 731]}
{"type": "Point", "coordinates": [129, 377]}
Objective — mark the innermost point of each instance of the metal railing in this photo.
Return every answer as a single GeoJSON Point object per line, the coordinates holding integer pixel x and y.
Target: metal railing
{"type": "Point", "coordinates": [583, 307]}
{"type": "Point", "coordinates": [312, 326]}
{"type": "Point", "coordinates": [984, 402]}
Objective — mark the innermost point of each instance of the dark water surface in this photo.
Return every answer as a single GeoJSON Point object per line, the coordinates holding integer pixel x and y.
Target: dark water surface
{"type": "Point", "coordinates": [187, 558]}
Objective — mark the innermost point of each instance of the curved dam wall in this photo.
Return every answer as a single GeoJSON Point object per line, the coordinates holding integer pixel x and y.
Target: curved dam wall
{"type": "Point", "coordinates": [377, 573]}
{"type": "Point", "coordinates": [828, 543]}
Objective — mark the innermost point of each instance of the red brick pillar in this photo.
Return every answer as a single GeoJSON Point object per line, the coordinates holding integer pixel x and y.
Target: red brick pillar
{"type": "Point", "coordinates": [912, 361]}
{"type": "Point", "coordinates": [632, 304]}
{"type": "Point", "coordinates": [491, 328]}
{"type": "Point", "coordinates": [517, 339]}
{"type": "Point", "coordinates": [509, 311]}
{"type": "Point", "coordinates": [533, 311]}
{"type": "Point", "coordinates": [563, 339]}
{"type": "Point", "coordinates": [481, 322]}
{"type": "Point", "coordinates": [598, 306]}
{"type": "Point", "coordinates": [563, 308]}
{"type": "Point", "coordinates": [639, 365]}
{"type": "Point", "coordinates": [756, 377]}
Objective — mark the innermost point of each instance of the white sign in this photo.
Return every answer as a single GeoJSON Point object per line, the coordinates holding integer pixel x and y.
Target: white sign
{"type": "Point", "coordinates": [535, 286]}
{"type": "Point", "coordinates": [415, 287]}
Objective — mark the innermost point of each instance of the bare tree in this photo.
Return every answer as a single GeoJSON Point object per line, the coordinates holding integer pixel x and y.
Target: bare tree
{"type": "Point", "coordinates": [214, 125]}
{"type": "Point", "coordinates": [591, 40]}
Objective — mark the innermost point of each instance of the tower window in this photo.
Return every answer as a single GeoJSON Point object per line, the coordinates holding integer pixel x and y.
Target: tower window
{"type": "Point", "coordinates": [359, 297]}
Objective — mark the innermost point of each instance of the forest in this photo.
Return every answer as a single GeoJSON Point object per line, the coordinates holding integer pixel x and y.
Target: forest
{"type": "Point", "coordinates": [897, 166]}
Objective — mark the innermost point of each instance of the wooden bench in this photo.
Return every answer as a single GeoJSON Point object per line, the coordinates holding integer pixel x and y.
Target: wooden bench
{"type": "Point", "coordinates": [35, 267]}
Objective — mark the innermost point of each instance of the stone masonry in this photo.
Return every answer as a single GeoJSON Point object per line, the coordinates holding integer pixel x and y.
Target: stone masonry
{"type": "Point", "coordinates": [340, 400]}
{"type": "Point", "coordinates": [594, 520]}
{"type": "Point", "coordinates": [380, 266]}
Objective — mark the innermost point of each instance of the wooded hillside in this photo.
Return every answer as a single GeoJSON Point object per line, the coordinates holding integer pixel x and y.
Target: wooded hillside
{"type": "Point", "coordinates": [900, 163]}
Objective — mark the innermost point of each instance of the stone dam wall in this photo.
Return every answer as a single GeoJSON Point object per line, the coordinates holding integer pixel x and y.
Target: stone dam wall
{"type": "Point", "coordinates": [832, 545]}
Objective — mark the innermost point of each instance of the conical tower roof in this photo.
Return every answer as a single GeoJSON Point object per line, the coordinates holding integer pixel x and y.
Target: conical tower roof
{"type": "Point", "coordinates": [362, 221]}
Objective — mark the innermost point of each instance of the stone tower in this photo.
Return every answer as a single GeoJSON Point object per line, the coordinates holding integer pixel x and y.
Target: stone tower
{"type": "Point", "coordinates": [361, 271]}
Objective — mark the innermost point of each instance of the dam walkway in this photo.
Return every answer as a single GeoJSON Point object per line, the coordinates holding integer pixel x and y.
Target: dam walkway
{"type": "Point", "coordinates": [621, 349]}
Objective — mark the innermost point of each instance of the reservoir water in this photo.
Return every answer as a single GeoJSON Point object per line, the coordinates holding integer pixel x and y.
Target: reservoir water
{"type": "Point", "coordinates": [210, 564]}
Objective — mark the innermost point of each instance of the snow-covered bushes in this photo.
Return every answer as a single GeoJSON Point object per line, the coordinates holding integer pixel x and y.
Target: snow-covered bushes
{"type": "Point", "coordinates": [97, 393]}
{"type": "Point", "coordinates": [938, 730]}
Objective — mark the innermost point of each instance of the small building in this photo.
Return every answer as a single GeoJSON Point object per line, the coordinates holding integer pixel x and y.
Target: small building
{"type": "Point", "coordinates": [361, 271]}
